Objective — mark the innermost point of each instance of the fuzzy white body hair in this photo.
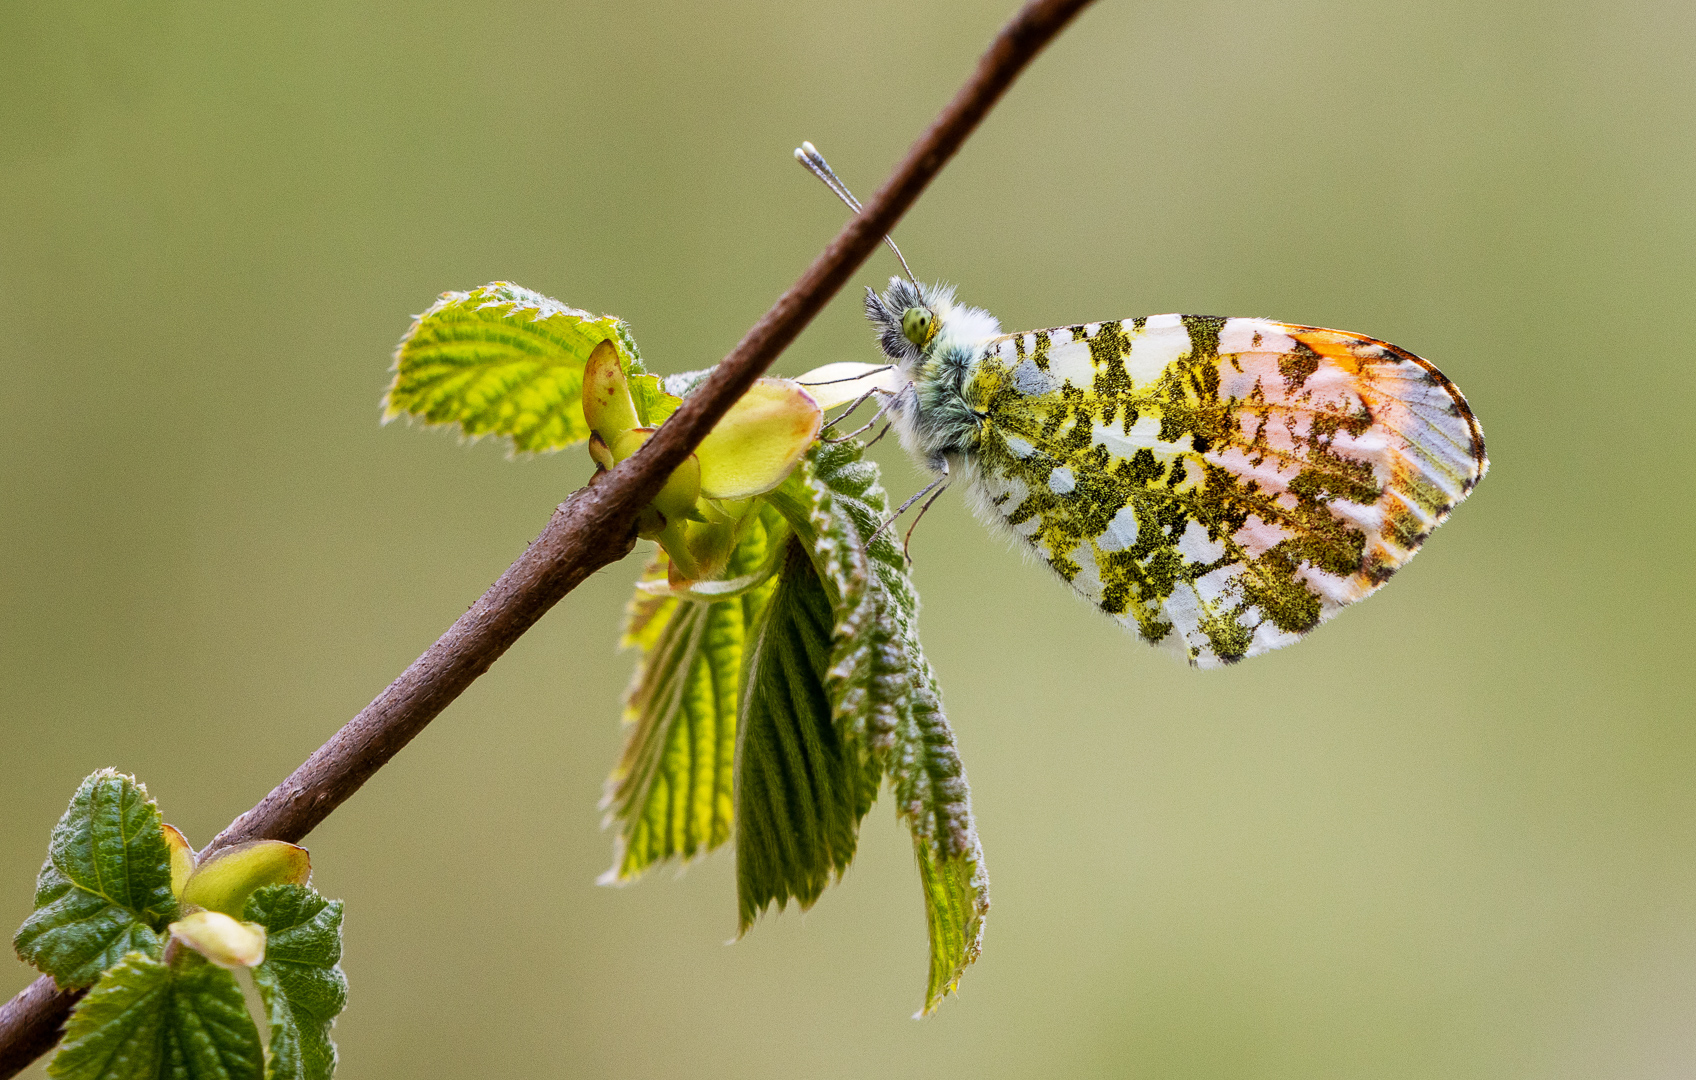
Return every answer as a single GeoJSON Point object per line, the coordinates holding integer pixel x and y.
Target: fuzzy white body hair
{"type": "Point", "coordinates": [962, 329]}
{"type": "Point", "coordinates": [929, 415]}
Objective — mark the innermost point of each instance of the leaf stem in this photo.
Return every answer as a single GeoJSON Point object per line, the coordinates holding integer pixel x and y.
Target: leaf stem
{"type": "Point", "coordinates": [593, 528]}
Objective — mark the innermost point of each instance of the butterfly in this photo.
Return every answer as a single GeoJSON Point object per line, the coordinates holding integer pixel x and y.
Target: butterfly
{"type": "Point", "coordinates": [1217, 486]}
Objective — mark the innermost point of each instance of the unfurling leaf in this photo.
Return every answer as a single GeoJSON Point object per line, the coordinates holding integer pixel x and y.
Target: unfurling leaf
{"type": "Point", "coordinates": [145, 1019]}
{"type": "Point", "coordinates": [607, 406]}
{"type": "Point", "coordinates": [105, 888]}
{"type": "Point", "coordinates": [227, 877]}
{"type": "Point", "coordinates": [502, 360]}
{"type": "Point", "coordinates": [301, 980]}
{"type": "Point", "coordinates": [670, 795]}
{"type": "Point", "coordinates": [923, 762]}
{"type": "Point", "coordinates": [805, 650]}
{"type": "Point", "coordinates": [753, 448]}
{"type": "Point", "coordinates": [221, 939]}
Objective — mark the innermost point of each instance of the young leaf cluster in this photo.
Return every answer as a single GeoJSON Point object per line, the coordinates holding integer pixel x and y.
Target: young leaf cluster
{"type": "Point", "coordinates": [125, 907]}
{"type": "Point", "coordinates": [780, 681]}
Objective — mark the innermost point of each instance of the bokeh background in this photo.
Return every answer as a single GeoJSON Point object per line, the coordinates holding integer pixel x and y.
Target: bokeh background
{"type": "Point", "coordinates": [1452, 834]}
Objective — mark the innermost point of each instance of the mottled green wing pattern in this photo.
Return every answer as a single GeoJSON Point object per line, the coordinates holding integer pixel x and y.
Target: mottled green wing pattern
{"type": "Point", "coordinates": [1220, 486]}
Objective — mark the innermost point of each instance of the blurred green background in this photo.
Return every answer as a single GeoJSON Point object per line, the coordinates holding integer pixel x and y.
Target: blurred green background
{"type": "Point", "coordinates": [1453, 834]}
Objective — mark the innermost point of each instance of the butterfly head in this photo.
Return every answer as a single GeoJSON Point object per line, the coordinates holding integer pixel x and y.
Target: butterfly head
{"type": "Point", "coordinates": [920, 323]}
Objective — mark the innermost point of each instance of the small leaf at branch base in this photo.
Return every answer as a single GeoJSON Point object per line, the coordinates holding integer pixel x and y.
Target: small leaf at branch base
{"type": "Point", "coordinates": [117, 1031]}
{"type": "Point", "coordinates": [106, 885]}
{"type": "Point", "coordinates": [209, 1033]}
{"type": "Point", "coordinates": [670, 795]}
{"type": "Point", "coordinates": [145, 1020]}
{"type": "Point", "coordinates": [502, 360]}
{"type": "Point", "coordinates": [301, 981]}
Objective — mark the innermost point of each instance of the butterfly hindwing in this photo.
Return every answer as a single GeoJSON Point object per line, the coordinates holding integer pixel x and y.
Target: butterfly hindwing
{"type": "Point", "coordinates": [1218, 485]}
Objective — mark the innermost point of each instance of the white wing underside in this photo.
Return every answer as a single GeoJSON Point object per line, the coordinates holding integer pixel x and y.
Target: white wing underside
{"type": "Point", "coordinates": [1418, 441]}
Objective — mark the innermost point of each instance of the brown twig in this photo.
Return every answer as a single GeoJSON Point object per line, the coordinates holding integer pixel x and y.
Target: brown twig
{"type": "Point", "coordinates": [593, 528]}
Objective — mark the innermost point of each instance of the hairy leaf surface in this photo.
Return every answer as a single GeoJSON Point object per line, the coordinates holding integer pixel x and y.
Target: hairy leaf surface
{"type": "Point", "coordinates": [884, 699]}
{"type": "Point", "coordinates": [106, 885]}
{"type": "Point", "coordinates": [301, 980]}
{"type": "Point", "coordinates": [503, 360]}
{"type": "Point", "coordinates": [145, 1019]}
{"type": "Point", "coordinates": [799, 788]}
{"type": "Point", "coordinates": [670, 794]}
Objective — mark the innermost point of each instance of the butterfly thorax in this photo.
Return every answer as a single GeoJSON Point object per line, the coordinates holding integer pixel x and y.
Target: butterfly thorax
{"type": "Point", "coordinates": [938, 358]}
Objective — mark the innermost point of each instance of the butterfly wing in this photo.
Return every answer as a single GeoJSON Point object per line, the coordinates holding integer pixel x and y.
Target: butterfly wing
{"type": "Point", "coordinates": [1219, 485]}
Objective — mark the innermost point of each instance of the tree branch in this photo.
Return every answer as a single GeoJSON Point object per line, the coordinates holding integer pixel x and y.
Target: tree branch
{"type": "Point", "coordinates": [593, 528]}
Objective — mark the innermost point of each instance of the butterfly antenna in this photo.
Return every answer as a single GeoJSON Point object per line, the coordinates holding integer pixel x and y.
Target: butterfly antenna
{"type": "Point", "coordinates": [807, 154]}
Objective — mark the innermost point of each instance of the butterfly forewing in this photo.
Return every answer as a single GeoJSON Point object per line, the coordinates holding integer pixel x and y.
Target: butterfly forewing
{"type": "Point", "coordinates": [1218, 485]}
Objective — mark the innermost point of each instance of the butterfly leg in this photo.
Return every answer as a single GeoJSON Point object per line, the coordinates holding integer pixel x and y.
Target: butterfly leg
{"type": "Point", "coordinates": [878, 436]}
{"type": "Point", "coordinates": [849, 411]}
{"type": "Point", "coordinates": [920, 516]}
{"type": "Point", "coordinates": [939, 482]}
{"type": "Point", "coordinates": [861, 400]}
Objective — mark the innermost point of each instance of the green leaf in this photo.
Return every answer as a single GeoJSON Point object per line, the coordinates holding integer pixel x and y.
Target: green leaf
{"type": "Point", "coordinates": [502, 360]}
{"type": "Point", "coordinates": [935, 802]}
{"type": "Point", "coordinates": [106, 885]}
{"type": "Point", "coordinates": [653, 404]}
{"type": "Point", "coordinates": [145, 1019]}
{"type": "Point", "coordinates": [885, 696]}
{"type": "Point", "coordinates": [117, 1031]}
{"type": "Point", "coordinates": [301, 981]}
{"type": "Point", "coordinates": [835, 694]}
{"type": "Point", "coordinates": [670, 794]}
{"type": "Point", "coordinates": [800, 792]}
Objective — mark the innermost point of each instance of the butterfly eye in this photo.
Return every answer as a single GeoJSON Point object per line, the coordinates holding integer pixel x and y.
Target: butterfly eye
{"type": "Point", "coordinates": [915, 324]}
